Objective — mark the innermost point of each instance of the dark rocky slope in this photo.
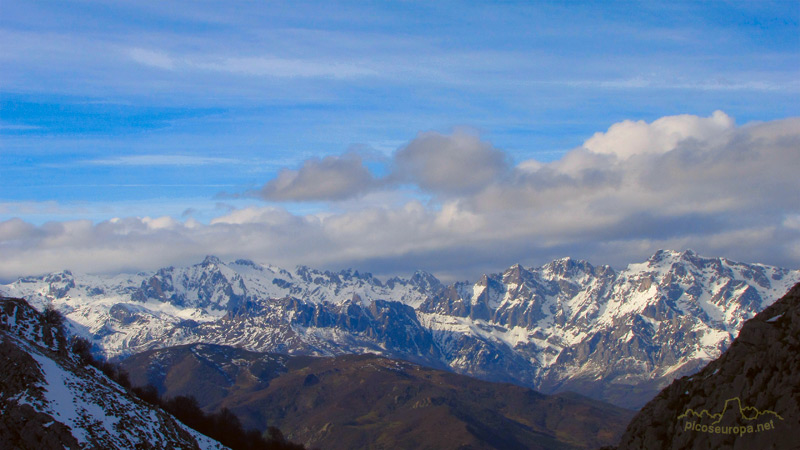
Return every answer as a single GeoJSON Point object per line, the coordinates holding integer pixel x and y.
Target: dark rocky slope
{"type": "Point", "coordinates": [366, 401]}
{"type": "Point", "coordinates": [49, 399]}
{"type": "Point", "coordinates": [749, 398]}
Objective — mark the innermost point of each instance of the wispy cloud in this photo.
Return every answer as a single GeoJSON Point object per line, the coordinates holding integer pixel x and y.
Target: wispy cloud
{"type": "Point", "coordinates": [653, 83]}
{"type": "Point", "coordinates": [162, 160]}
{"type": "Point", "coordinates": [282, 67]}
{"type": "Point", "coordinates": [4, 126]}
{"type": "Point", "coordinates": [152, 58]}
{"type": "Point", "coordinates": [269, 66]}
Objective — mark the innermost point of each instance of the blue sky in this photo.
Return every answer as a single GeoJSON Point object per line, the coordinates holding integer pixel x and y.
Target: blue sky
{"type": "Point", "coordinates": [192, 111]}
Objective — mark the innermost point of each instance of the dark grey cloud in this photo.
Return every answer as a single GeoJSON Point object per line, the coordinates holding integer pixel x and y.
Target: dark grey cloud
{"type": "Point", "coordinates": [330, 178]}
{"type": "Point", "coordinates": [439, 164]}
{"type": "Point", "coordinates": [459, 163]}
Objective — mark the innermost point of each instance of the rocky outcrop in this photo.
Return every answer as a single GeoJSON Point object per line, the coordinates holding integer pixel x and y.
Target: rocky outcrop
{"type": "Point", "coordinates": [747, 398]}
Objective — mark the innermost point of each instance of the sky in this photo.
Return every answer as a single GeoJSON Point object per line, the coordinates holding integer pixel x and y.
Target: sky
{"type": "Point", "coordinates": [453, 137]}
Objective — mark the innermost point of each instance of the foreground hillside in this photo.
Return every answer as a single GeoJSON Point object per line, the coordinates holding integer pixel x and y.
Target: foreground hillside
{"type": "Point", "coordinates": [749, 398]}
{"type": "Point", "coordinates": [615, 335]}
{"type": "Point", "coordinates": [366, 401]}
{"type": "Point", "coordinates": [50, 400]}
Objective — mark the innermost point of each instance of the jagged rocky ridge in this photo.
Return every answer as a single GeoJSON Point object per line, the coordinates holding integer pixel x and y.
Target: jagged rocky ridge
{"type": "Point", "coordinates": [747, 398]}
{"type": "Point", "coordinates": [616, 335]}
{"type": "Point", "coordinates": [51, 400]}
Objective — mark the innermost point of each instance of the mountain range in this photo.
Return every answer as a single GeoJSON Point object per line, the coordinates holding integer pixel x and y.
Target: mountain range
{"type": "Point", "coordinates": [618, 335]}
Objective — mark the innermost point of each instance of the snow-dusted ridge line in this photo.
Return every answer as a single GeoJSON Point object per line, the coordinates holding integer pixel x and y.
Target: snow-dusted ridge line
{"type": "Point", "coordinates": [72, 401]}
{"type": "Point", "coordinates": [551, 327]}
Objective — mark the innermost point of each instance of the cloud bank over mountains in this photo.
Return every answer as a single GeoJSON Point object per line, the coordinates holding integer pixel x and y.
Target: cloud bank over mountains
{"type": "Point", "coordinates": [465, 207]}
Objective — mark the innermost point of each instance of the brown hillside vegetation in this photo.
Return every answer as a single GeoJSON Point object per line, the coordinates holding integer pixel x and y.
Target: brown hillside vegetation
{"type": "Point", "coordinates": [365, 401]}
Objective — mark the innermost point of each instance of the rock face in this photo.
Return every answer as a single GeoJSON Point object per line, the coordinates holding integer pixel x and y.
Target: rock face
{"type": "Point", "coordinates": [615, 335]}
{"type": "Point", "coordinates": [748, 398]}
{"type": "Point", "coordinates": [366, 401]}
{"type": "Point", "coordinates": [49, 400]}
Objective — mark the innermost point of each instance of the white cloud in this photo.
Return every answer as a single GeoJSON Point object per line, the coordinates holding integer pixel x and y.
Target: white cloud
{"type": "Point", "coordinates": [629, 138]}
{"type": "Point", "coordinates": [264, 216]}
{"type": "Point", "coordinates": [161, 223]}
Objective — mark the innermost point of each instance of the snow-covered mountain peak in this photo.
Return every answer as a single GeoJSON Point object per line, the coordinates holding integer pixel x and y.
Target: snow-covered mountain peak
{"type": "Point", "coordinates": [483, 281]}
{"type": "Point", "coordinates": [424, 281]}
{"type": "Point", "coordinates": [517, 275]}
{"type": "Point", "coordinates": [210, 261]}
{"type": "Point", "coordinates": [568, 269]}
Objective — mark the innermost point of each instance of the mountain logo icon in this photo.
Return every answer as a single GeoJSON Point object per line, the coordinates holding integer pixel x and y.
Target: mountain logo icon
{"type": "Point", "coordinates": [747, 419]}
